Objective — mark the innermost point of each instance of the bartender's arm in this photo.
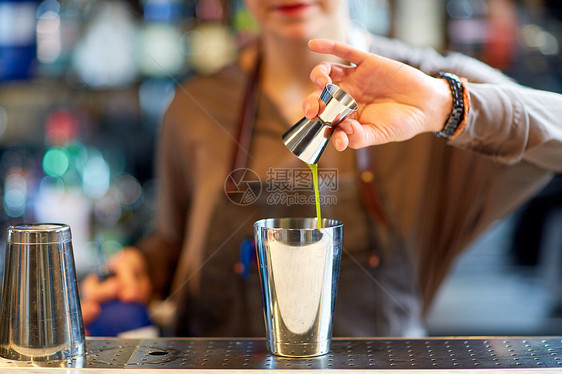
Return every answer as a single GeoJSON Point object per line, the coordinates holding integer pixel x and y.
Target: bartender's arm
{"type": "Point", "coordinates": [145, 271]}
{"type": "Point", "coordinates": [505, 121]}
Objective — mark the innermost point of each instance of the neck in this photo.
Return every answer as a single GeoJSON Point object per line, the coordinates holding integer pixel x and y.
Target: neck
{"type": "Point", "coordinates": [290, 60]}
{"type": "Point", "coordinates": [286, 68]}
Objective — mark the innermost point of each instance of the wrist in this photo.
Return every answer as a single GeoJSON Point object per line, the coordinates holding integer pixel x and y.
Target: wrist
{"type": "Point", "coordinates": [444, 98]}
{"type": "Point", "coordinates": [457, 117]}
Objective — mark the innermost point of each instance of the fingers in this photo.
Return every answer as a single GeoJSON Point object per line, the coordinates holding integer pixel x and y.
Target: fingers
{"type": "Point", "coordinates": [93, 293]}
{"type": "Point", "coordinates": [90, 310]}
{"type": "Point", "coordinates": [320, 75]}
{"type": "Point", "coordinates": [126, 273]}
{"type": "Point", "coordinates": [99, 292]}
{"type": "Point", "coordinates": [325, 73]}
{"type": "Point", "coordinates": [338, 49]}
{"type": "Point", "coordinates": [130, 282]}
{"type": "Point", "coordinates": [350, 133]}
{"type": "Point", "coordinates": [130, 271]}
{"type": "Point", "coordinates": [340, 140]}
{"type": "Point", "coordinates": [366, 135]}
{"type": "Point", "coordinates": [311, 105]}
{"type": "Point", "coordinates": [354, 131]}
{"type": "Point", "coordinates": [346, 133]}
{"type": "Point", "coordinates": [135, 289]}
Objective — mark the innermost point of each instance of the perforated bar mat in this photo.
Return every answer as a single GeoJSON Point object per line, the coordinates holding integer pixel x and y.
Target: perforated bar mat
{"type": "Point", "coordinates": [453, 353]}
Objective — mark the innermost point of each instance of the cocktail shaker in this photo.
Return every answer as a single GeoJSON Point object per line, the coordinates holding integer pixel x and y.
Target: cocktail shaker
{"type": "Point", "coordinates": [40, 316]}
{"type": "Point", "coordinates": [299, 269]}
{"type": "Point", "coordinates": [308, 138]}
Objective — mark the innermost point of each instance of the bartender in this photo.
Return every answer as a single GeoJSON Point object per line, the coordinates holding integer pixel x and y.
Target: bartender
{"type": "Point", "coordinates": [464, 146]}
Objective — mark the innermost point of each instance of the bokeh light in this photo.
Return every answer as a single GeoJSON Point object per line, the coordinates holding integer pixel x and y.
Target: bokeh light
{"type": "Point", "coordinates": [96, 177]}
{"type": "Point", "coordinates": [55, 162]}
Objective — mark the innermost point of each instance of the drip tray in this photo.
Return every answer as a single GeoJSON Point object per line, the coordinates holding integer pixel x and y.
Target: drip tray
{"type": "Point", "coordinates": [375, 354]}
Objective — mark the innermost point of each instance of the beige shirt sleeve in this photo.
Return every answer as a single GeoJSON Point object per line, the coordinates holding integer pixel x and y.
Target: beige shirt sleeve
{"type": "Point", "coordinates": [162, 246]}
{"type": "Point", "coordinates": [511, 123]}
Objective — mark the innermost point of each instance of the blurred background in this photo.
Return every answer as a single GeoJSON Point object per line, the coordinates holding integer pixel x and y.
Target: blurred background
{"type": "Point", "coordinates": [84, 83]}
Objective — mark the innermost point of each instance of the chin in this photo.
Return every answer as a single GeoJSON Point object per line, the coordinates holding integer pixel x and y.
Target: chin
{"type": "Point", "coordinates": [299, 32]}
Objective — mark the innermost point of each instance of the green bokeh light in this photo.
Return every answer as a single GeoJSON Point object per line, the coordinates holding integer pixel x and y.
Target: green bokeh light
{"type": "Point", "coordinates": [55, 162]}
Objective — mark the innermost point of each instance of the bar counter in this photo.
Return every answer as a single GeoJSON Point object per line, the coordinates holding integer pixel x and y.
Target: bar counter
{"type": "Point", "coordinates": [236, 355]}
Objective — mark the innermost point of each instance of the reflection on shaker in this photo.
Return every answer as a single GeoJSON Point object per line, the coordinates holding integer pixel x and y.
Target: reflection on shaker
{"type": "Point", "coordinates": [298, 274]}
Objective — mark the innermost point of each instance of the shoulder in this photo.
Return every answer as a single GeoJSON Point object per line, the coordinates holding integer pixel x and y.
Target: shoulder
{"type": "Point", "coordinates": [224, 86]}
{"type": "Point", "coordinates": [206, 102]}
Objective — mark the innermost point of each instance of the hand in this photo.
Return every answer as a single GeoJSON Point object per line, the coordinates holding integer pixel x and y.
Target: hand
{"type": "Point", "coordinates": [396, 101]}
{"type": "Point", "coordinates": [130, 284]}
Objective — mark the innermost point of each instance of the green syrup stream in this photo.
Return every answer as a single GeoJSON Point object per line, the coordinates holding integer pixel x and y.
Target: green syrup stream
{"type": "Point", "coordinates": [314, 169]}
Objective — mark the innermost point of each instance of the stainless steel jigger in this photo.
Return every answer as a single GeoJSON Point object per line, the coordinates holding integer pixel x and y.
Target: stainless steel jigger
{"type": "Point", "coordinates": [40, 316]}
{"type": "Point", "coordinates": [308, 137]}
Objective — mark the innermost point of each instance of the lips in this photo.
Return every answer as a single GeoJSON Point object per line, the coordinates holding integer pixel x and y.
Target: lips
{"type": "Point", "coordinates": [292, 9]}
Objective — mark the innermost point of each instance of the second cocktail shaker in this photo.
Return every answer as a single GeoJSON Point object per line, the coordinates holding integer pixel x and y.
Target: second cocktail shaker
{"type": "Point", "coordinates": [40, 315]}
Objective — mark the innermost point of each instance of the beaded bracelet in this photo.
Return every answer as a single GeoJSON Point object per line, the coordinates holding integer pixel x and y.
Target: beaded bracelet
{"type": "Point", "coordinates": [456, 122]}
